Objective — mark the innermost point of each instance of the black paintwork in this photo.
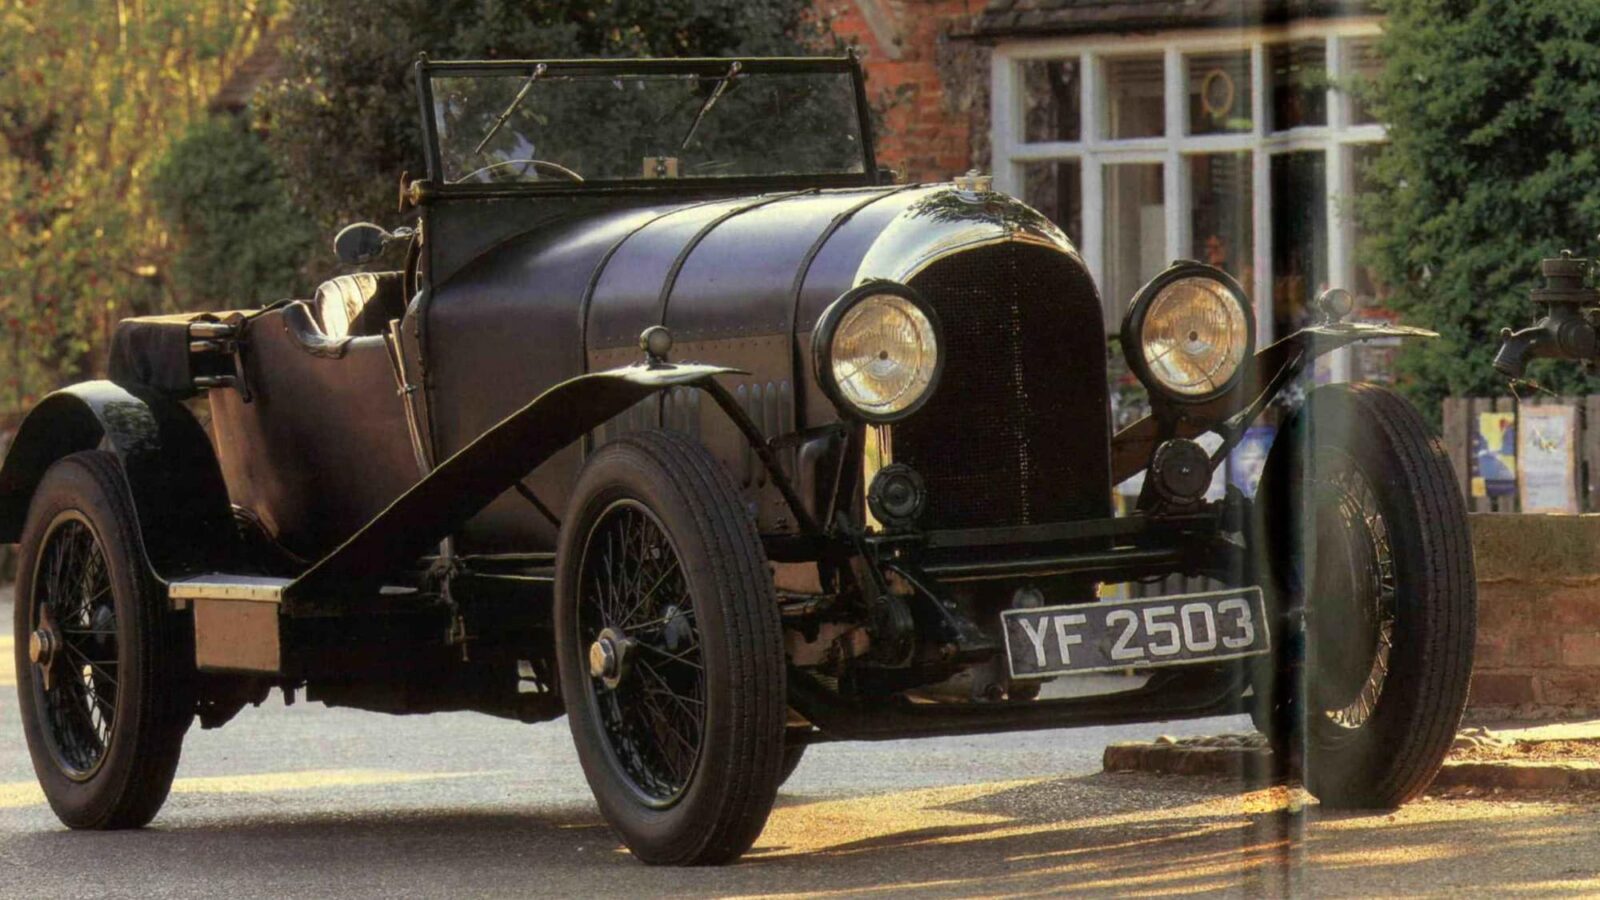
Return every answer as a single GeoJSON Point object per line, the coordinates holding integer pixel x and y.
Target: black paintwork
{"type": "Point", "coordinates": [460, 486]}
{"type": "Point", "coordinates": [172, 473]}
{"type": "Point", "coordinates": [739, 281]}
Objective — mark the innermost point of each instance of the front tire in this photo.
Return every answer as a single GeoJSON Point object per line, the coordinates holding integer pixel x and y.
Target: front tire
{"type": "Point", "coordinates": [102, 665]}
{"type": "Point", "coordinates": [670, 651]}
{"type": "Point", "coordinates": [1370, 563]}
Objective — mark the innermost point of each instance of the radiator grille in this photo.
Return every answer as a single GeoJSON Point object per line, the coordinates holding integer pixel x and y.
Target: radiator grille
{"type": "Point", "coordinates": [1017, 433]}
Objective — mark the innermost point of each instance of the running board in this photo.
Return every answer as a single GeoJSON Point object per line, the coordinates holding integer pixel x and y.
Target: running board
{"type": "Point", "coordinates": [236, 626]}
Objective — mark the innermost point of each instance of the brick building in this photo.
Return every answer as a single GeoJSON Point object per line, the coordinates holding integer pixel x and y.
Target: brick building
{"type": "Point", "coordinates": [926, 77]}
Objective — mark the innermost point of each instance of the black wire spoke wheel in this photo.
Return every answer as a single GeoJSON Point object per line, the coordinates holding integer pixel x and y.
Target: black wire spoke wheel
{"type": "Point", "coordinates": [646, 672]}
{"type": "Point", "coordinates": [104, 667]}
{"type": "Point", "coordinates": [1353, 575]}
{"type": "Point", "coordinates": [1367, 559]}
{"type": "Point", "coordinates": [73, 646]}
{"type": "Point", "coordinates": [670, 651]}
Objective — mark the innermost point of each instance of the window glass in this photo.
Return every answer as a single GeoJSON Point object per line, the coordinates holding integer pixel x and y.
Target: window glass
{"type": "Point", "coordinates": [522, 126]}
{"type": "Point", "coordinates": [1052, 100]}
{"type": "Point", "coordinates": [1297, 84]}
{"type": "Point", "coordinates": [1299, 237]}
{"type": "Point", "coordinates": [1134, 107]}
{"type": "Point", "coordinates": [1135, 233]}
{"type": "Point", "coordinates": [1219, 93]}
{"type": "Point", "coordinates": [1221, 214]}
{"type": "Point", "coordinates": [1362, 66]}
{"type": "Point", "coordinates": [1055, 188]}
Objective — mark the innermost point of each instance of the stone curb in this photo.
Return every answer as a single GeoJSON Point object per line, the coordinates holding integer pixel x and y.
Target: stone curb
{"type": "Point", "coordinates": [1518, 775]}
{"type": "Point", "coordinates": [1247, 758]}
{"type": "Point", "coordinates": [1164, 756]}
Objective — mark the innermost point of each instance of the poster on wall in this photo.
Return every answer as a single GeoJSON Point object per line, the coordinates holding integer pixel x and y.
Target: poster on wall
{"type": "Point", "coordinates": [1547, 459]}
{"type": "Point", "coordinates": [1494, 455]}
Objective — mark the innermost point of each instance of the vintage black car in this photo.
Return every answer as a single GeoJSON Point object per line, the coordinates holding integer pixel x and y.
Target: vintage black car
{"type": "Point", "coordinates": [683, 419]}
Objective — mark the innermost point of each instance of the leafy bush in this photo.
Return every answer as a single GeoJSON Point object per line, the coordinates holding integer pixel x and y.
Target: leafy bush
{"type": "Point", "coordinates": [1493, 164]}
{"type": "Point", "coordinates": [240, 242]}
{"type": "Point", "coordinates": [91, 97]}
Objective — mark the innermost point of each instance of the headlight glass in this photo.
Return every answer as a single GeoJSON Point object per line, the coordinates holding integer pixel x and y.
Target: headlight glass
{"type": "Point", "coordinates": [1194, 336]}
{"type": "Point", "coordinates": [883, 356]}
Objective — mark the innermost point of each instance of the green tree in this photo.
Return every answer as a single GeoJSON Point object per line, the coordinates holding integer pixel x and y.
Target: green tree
{"type": "Point", "coordinates": [1493, 163]}
{"type": "Point", "coordinates": [91, 93]}
{"type": "Point", "coordinates": [238, 241]}
{"type": "Point", "coordinates": [344, 119]}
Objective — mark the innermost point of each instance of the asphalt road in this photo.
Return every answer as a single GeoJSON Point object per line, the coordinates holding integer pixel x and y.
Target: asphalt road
{"type": "Point", "coordinates": [307, 801]}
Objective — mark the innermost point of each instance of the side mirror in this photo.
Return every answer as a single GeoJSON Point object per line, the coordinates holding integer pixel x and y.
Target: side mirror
{"type": "Point", "coordinates": [360, 243]}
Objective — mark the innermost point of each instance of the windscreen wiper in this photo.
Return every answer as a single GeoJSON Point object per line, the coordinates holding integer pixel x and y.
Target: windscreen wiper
{"type": "Point", "coordinates": [711, 101]}
{"type": "Point", "coordinates": [515, 102]}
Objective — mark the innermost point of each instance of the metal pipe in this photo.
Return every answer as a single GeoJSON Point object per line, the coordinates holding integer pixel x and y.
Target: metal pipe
{"type": "Point", "coordinates": [1070, 564]}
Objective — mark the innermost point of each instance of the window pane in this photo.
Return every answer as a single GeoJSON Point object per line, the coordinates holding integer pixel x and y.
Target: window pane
{"type": "Point", "coordinates": [1219, 93]}
{"type": "Point", "coordinates": [1136, 233]}
{"type": "Point", "coordinates": [1133, 98]}
{"type": "Point", "coordinates": [1053, 97]}
{"type": "Point", "coordinates": [1056, 189]}
{"type": "Point", "coordinates": [1297, 76]}
{"type": "Point", "coordinates": [1362, 66]}
{"type": "Point", "coordinates": [1299, 237]}
{"type": "Point", "coordinates": [1221, 203]}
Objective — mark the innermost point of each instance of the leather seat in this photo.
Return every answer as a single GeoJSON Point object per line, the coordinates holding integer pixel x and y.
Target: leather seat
{"type": "Point", "coordinates": [360, 304]}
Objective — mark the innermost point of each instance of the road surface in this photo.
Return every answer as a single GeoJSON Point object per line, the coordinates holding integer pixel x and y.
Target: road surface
{"type": "Point", "coordinates": [307, 801]}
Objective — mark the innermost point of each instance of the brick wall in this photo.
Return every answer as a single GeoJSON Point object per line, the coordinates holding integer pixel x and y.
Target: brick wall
{"type": "Point", "coordinates": [929, 87]}
{"type": "Point", "coordinates": [1538, 649]}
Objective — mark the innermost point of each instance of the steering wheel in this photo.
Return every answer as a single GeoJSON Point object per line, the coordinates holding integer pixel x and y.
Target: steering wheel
{"type": "Point", "coordinates": [543, 164]}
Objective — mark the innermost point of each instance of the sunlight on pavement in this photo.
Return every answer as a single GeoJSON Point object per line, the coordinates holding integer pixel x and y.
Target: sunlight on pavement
{"type": "Point", "coordinates": [23, 794]}
{"type": "Point", "coordinates": [1110, 836]}
{"type": "Point", "coordinates": [1221, 841]}
{"type": "Point", "coordinates": [941, 816]}
{"type": "Point", "coordinates": [8, 674]}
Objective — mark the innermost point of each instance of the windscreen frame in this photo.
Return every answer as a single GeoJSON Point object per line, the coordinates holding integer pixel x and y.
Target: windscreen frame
{"type": "Point", "coordinates": [708, 67]}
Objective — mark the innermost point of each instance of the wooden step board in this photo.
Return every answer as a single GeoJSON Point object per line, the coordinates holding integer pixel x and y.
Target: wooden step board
{"type": "Point", "coordinates": [236, 622]}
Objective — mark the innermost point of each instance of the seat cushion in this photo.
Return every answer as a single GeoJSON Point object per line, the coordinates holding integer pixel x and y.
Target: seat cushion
{"type": "Point", "coordinates": [360, 304]}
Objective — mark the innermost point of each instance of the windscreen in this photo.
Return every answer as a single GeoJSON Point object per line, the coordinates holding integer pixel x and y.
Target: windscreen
{"type": "Point", "coordinates": [532, 126]}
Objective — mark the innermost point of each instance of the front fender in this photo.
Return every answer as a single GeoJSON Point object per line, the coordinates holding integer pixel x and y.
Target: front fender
{"type": "Point", "coordinates": [1270, 369]}
{"type": "Point", "coordinates": [171, 471]}
{"type": "Point", "coordinates": [439, 504]}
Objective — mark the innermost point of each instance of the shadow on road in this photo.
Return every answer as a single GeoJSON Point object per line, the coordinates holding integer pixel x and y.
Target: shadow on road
{"type": "Point", "coordinates": [1103, 834]}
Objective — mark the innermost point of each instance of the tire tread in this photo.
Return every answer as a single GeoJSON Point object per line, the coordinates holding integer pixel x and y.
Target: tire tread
{"type": "Point", "coordinates": [1418, 736]}
{"type": "Point", "coordinates": [750, 620]}
{"type": "Point", "coordinates": [133, 793]}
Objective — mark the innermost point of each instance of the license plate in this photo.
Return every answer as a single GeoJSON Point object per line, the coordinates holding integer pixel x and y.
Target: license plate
{"type": "Point", "coordinates": [1136, 634]}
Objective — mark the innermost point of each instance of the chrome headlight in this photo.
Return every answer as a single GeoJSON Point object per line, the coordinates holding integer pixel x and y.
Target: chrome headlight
{"type": "Point", "coordinates": [877, 351]}
{"type": "Point", "coordinates": [1188, 333]}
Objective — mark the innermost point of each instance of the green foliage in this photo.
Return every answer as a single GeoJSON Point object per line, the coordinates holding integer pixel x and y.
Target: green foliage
{"type": "Point", "coordinates": [344, 120]}
{"type": "Point", "coordinates": [1493, 164]}
{"type": "Point", "coordinates": [91, 93]}
{"type": "Point", "coordinates": [240, 243]}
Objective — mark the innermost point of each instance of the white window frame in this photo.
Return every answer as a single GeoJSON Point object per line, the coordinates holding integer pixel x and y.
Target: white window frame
{"type": "Point", "coordinates": [1093, 151]}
